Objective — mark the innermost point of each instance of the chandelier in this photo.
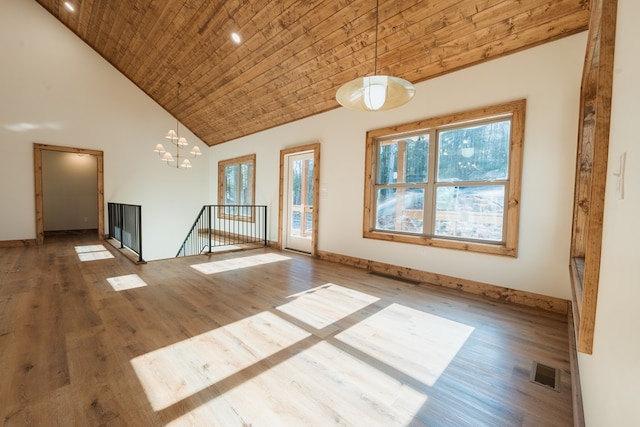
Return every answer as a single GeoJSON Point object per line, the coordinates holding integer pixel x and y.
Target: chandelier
{"type": "Point", "coordinates": [375, 93]}
{"type": "Point", "coordinates": [180, 143]}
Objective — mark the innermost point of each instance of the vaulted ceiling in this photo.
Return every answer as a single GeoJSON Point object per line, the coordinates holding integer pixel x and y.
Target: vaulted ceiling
{"type": "Point", "coordinates": [295, 54]}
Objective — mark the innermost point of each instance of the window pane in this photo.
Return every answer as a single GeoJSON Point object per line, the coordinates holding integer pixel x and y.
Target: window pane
{"type": "Point", "coordinates": [231, 188]}
{"type": "Point", "coordinates": [296, 188]}
{"type": "Point", "coordinates": [230, 210]}
{"type": "Point", "coordinates": [246, 195]}
{"type": "Point", "coordinates": [417, 159]}
{"type": "Point", "coordinates": [295, 223]}
{"type": "Point", "coordinates": [310, 182]}
{"type": "Point", "coordinates": [309, 223]}
{"type": "Point", "coordinates": [388, 163]}
{"type": "Point", "coordinates": [400, 209]}
{"type": "Point", "coordinates": [476, 153]}
{"type": "Point", "coordinates": [470, 212]}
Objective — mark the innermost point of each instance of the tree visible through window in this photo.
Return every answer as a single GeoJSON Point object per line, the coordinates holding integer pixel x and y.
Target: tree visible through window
{"type": "Point", "coordinates": [450, 182]}
{"type": "Point", "coordinates": [236, 181]}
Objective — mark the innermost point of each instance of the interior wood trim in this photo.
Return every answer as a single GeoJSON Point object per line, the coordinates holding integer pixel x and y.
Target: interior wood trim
{"type": "Point", "coordinates": [315, 147]}
{"type": "Point", "coordinates": [591, 167]}
{"type": "Point", "coordinates": [222, 182]}
{"type": "Point", "coordinates": [516, 111]}
{"type": "Point", "coordinates": [576, 387]}
{"type": "Point", "coordinates": [37, 169]}
{"type": "Point", "coordinates": [18, 243]}
{"type": "Point", "coordinates": [499, 293]}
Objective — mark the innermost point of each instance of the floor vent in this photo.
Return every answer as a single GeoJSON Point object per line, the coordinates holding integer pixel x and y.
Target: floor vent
{"type": "Point", "coordinates": [398, 278]}
{"type": "Point", "coordinates": [545, 376]}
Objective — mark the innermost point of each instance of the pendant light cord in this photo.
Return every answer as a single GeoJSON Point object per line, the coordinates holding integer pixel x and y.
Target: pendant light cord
{"type": "Point", "coordinates": [375, 59]}
{"type": "Point", "coordinates": [177, 124]}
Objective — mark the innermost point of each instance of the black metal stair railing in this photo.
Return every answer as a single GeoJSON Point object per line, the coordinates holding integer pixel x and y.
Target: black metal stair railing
{"type": "Point", "coordinates": [225, 226]}
{"type": "Point", "coordinates": [125, 226]}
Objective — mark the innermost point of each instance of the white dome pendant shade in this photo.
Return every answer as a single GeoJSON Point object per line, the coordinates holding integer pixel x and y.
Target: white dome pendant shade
{"type": "Point", "coordinates": [375, 93]}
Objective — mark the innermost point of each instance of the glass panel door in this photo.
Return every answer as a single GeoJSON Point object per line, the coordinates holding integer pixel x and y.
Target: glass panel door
{"type": "Point", "coordinates": [299, 202]}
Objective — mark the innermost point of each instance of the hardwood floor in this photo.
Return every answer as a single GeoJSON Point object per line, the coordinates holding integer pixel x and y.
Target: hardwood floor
{"type": "Point", "coordinates": [261, 338]}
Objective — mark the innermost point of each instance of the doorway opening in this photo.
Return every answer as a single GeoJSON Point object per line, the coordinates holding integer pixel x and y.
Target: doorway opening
{"type": "Point", "coordinates": [41, 151]}
{"type": "Point", "coordinates": [299, 190]}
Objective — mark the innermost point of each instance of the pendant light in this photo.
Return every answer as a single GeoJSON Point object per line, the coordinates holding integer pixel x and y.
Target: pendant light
{"type": "Point", "coordinates": [375, 93]}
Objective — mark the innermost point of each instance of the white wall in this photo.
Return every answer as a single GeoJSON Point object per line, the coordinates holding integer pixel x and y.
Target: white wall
{"type": "Point", "coordinates": [69, 190]}
{"type": "Point", "coordinates": [611, 376]}
{"type": "Point", "coordinates": [56, 90]}
{"type": "Point", "coordinates": [547, 76]}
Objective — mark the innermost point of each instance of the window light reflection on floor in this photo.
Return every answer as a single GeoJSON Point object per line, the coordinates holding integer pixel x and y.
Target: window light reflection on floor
{"type": "Point", "coordinates": [238, 263]}
{"type": "Point", "coordinates": [93, 252]}
{"type": "Point", "coordinates": [416, 343]}
{"type": "Point", "coordinates": [175, 372]}
{"type": "Point", "coordinates": [221, 247]}
{"type": "Point", "coordinates": [322, 370]}
{"type": "Point", "coordinates": [129, 281]}
{"type": "Point", "coordinates": [322, 306]}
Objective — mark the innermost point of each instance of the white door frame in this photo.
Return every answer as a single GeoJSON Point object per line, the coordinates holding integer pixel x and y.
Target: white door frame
{"type": "Point", "coordinates": [315, 148]}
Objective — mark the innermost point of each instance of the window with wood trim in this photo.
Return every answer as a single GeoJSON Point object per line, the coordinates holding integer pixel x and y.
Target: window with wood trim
{"type": "Point", "coordinates": [236, 184]}
{"type": "Point", "coordinates": [451, 181]}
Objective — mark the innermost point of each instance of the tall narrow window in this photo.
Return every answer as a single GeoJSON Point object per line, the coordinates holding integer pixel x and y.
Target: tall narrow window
{"type": "Point", "coordinates": [236, 182]}
{"type": "Point", "coordinates": [450, 182]}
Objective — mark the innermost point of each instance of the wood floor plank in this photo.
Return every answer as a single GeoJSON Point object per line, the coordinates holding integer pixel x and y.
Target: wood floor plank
{"type": "Point", "coordinates": [261, 337]}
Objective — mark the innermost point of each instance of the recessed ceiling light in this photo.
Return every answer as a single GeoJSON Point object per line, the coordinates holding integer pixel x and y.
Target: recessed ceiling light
{"type": "Point", "coordinates": [236, 38]}
{"type": "Point", "coordinates": [69, 6]}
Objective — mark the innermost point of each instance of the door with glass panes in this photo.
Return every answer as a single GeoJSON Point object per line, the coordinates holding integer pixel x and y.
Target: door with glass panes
{"type": "Point", "coordinates": [298, 203]}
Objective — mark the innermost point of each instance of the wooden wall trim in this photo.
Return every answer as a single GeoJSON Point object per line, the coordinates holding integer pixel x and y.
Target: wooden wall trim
{"type": "Point", "coordinates": [576, 387]}
{"type": "Point", "coordinates": [37, 173]}
{"type": "Point", "coordinates": [591, 167]}
{"type": "Point", "coordinates": [498, 293]}
{"type": "Point", "coordinates": [514, 111]}
{"type": "Point", "coordinates": [37, 177]}
{"type": "Point", "coordinates": [17, 243]}
{"type": "Point", "coordinates": [315, 147]}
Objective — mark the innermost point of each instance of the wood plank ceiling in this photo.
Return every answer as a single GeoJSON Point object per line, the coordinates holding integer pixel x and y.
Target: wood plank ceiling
{"type": "Point", "coordinates": [295, 54]}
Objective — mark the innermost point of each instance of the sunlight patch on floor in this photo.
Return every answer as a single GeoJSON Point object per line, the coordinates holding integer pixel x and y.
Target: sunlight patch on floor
{"type": "Point", "coordinates": [175, 372]}
{"type": "Point", "coordinates": [238, 263]}
{"type": "Point", "coordinates": [322, 306]}
{"type": "Point", "coordinates": [92, 252]}
{"type": "Point", "coordinates": [129, 281]}
{"type": "Point", "coordinates": [416, 343]}
{"type": "Point", "coordinates": [321, 385]}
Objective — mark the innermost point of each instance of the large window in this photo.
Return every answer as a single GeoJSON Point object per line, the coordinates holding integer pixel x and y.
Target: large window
{"type": "Point", "coordinates": [451, 181]}
{"type": "Point", "coordinates": [236, 182]}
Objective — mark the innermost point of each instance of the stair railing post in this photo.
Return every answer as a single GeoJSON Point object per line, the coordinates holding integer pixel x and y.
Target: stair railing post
{"type": "Point", "coordinates": [209, 226]}
{"type": "Point", "coordinates": [122, 222]}
{"type": "Point", "coordinates": [140, 234]}
{"type": "Point", "coordinates": [264, 208]}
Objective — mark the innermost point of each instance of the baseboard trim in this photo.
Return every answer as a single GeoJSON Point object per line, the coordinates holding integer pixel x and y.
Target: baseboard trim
{"type": "Point", "coordinates": [17, 243]}
{"type": "Point", "coordinates": [576, 387]}
{"type": "Point", "coordinates": [499, 293]}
